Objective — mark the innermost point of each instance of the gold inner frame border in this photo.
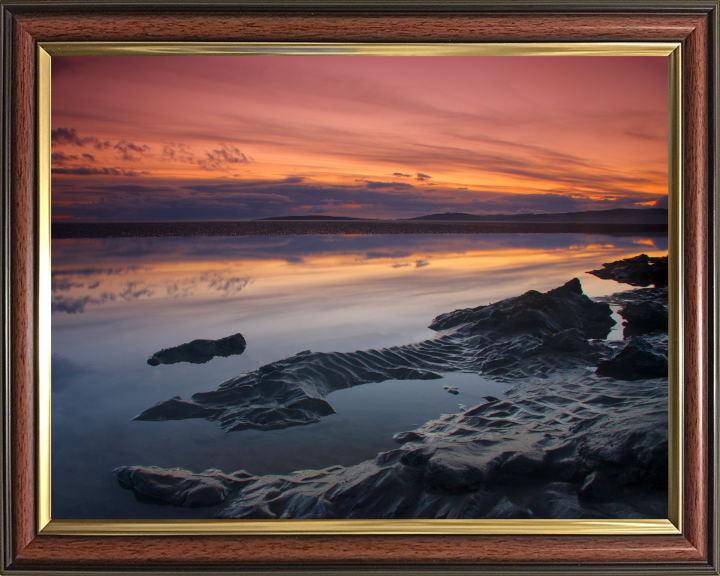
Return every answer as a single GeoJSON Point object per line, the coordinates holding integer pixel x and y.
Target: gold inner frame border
{"type": "Point", "coordinates": [671, 525]}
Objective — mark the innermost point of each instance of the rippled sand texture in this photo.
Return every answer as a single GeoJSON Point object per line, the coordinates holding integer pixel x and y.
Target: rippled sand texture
{"type": "Point", "coordinates": [566, 442]}
{"type": "Point", "coordinates": [533, 334]}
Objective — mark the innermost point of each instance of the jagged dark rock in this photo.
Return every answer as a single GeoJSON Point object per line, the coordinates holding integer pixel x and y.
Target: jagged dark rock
{"type": "Point", "coordinates": [180, 487]}
{"type": "Point", "coordinates": [535, 313]}
{"type": "Point", "coordinates": [635, 361]}
{"type": "Point", "coordinates": [200, 351]}
{"type": "Point", "coordinates": [640, 270]}
{"type": "Point", "coordinates": [644, 317]}
{"type": "Point", "coordinates": [532, 334]}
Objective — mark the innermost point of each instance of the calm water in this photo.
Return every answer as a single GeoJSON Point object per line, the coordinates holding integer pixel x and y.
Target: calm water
{"type": "Point", "coordinates": [117, 301]}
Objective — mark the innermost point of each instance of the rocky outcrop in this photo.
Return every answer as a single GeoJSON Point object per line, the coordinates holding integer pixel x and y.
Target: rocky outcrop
{"type": "Point", "coordinates": [645, 310]}
{"type": "Point", "coordinates": [535, 334]}
{"type": "Point", "coordinates": [644, 318]}
{"type": "Point", "coordinates": [641, 270]}
{"type": "Point", "coordinates": [180, 487]}
{"type": "Point", "coordinates": [200, 351]}
{"type": "Point", "coordinates": [574, 445]}
{"type": "Point", "coordinates": [635, 361]}
{"type": "Point", "coordinates": [535, 313]}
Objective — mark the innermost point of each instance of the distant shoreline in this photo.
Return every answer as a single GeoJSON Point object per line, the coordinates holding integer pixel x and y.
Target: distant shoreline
{"type": "Point", "coordinates": [613, 216]}
{"type": "Point", "coordinates": [66, 230]}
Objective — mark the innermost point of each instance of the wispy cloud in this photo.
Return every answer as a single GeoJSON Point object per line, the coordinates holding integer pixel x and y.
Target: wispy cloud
{"type": "Point", "coordinates": [222, 158]}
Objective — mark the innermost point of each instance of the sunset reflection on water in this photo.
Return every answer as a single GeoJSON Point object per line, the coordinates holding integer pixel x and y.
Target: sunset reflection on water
{"type": "Point", "coordinates": [117, 301]}
{"type": "Point", "coordinates": [324, 272]}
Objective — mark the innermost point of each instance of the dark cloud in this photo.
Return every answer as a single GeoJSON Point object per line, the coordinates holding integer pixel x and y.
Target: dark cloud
{"type": "Point", "coordinates": [124, 146]}
{"type": "Point", "coordinates": [241, 197]}
{"type": "Point", "coordinates": [101, 145]}
{"type": "Point", "coordinates": [232, 187]}
{"type": "Point", "coordinates": [549, 202]}
{"type": "Point", "coordinates": [131, 188]}
{"type": "Point", "coordinates": [373, 185]}
{"type": "Point", "coordinates": [662, 203]}
{"type": "Point", "coordinates": [88, 171]}
{"type": "Point", "coordinates": [178, 153]}
{"type": "Point", "coordinates": [245, 200]}
{"type": "Point", "coordinates": [88, 157]}
{"type": "Point", "coordinates": [127, 147]}
{"type": "Point", "coordinates": [222, 158]}
{"type": "Point", "coordinates": [70, 136]}
{"type": "Point", "coordinates": [421, 263]}
{"type": "Point", "coordinates": [63, 284]}
{"type": "Point", "coordinates": [422, 177]}
{"type": "Point", "coordinates": [59, 158]}
{"type": "Point", "coordinates": [401, 174]}
{"type": "Point", "coordinates": [93, 271]}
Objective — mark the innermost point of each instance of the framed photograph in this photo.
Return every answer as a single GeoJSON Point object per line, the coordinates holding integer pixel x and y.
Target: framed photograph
{"type": "Point", "coordinates": [359, 288]}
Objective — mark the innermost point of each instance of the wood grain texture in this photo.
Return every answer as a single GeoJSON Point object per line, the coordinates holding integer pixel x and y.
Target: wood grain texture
{"type": "Point", "coordinates": [695, 201]}
{"type": "Point", "coordinates": [23, 293]}
{"type": "Point", "coordinates": [362, 28]}
{"type": "Point", "coordinates": [217, 552]}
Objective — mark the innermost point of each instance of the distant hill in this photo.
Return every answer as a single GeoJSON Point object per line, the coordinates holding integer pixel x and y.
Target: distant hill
{"type": "Point", "coordinates": [312, 217]}
{"type": "Point", "coordinates": [616, 216]}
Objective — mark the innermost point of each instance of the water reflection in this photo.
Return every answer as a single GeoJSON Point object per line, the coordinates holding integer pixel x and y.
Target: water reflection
{"type": "Point", "coordinates": [116, 301]}
{"type": "Point", "coordinates": [225, 267]}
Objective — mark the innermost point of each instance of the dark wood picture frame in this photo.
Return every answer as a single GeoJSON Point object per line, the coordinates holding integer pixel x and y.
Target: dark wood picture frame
{"type": "Point", "coordinates": [694, 23]}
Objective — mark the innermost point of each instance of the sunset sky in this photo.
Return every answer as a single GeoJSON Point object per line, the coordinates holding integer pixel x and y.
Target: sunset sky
{"type": "Point", "coordinates": [243, 137]}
